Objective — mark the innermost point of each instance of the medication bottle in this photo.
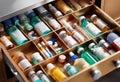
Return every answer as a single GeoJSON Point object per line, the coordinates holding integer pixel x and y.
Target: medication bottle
{"type": "Point", "coordinates": [48, 17]}
{"type": "Point", "coordinates": [79, 63]}
{"type": "Point", "coordinates": [16, 21]}
{"type": "Point", "coordinates": [20, 59]}
{"type": "Point", "coordinates": [34, 77]}
{"type": "Point", "coordinates": [62, 59]}
{"type": "Point", "coordinates": [36, 58]}
{"type": "Point", "coordinates": [71, 70]}
{"type": "Point", "coordinates": [100, 23]}
{"type": "Point", "coordinates": [98, 51]}
{"type": "Point", "coordinates": [114, 40]}
{"type": "Point", "coordinates": [25, 21]}
{"type": "Point", "coordinates": [7, 43]}
{"type": "Point", "coordinates": [68, 39]}
{"type": "Point", "coordinates": [89, 27]}
{"type": "Point", "coordinates": [67, 25]}
{"type": "Point", "coordinates": [14, 32]}
{"type": "Point", "coordinates": [61, 5]}
{"type": "Point", "coordinates": [56, 73]}
{"type": "Point", "coordinates": [83, 3]}
{"type": "Point", "coordinates": [106, 46]}
{"type": "Point", "coordinates": [32, 35]}
{"type": "Point", "coordinates": [53, 10]}
{"type": "Point", "coordinates": [40, 27]}
{"type": "Point", "coordinates": [75, 4]}
{"type": "Point", "coordinates": [43, 77]}
{"type": "Point", "coordinates": [87, 55]}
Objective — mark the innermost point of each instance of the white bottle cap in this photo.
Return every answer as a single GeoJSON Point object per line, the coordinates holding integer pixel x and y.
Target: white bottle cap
{"type": "Point", "coordinates": [66, 65]}
{"type": "Point", "coordinates": [91, 45]}
{"type": "Point", "coordinates": [93, 16]}
{"type": "Point", "coordinates": [101, 41]}
{"type": "Point", "coordinates": [41, 9]}
{"type": "Point", "coordinates": [80, 49]}
{"type": "Point", "coordinates": [62, 58]}
{"type": "Point", "coordinates": [50, 66]}
{"type": "Point", "coordinates": [39, 72]}
{"type": "Point", "coordinates": [31, 73]}
{"type": "Point", "coordinates": [71, 53]}
{"type": "Point", "coordinates": [81, 18]}
{"type": "Point", "coordinates": [62, 32]}
{"type": "Point", "coordinates": [37, 56]}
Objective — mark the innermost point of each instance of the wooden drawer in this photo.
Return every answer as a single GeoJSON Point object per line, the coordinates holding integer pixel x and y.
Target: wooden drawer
{"type": "Point", "coordinates": [104, 66]}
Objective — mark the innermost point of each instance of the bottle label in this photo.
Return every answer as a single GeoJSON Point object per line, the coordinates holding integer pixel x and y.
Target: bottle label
{"type": "Point", "coordinates": [117, 42]}
{"type": "Point", "coordinates": [41, 28]}
{"type": "Point", "coordinates": [23, 64]}
{"type": "Point", "coordinates": [93, 28]}
{"type": "Point", "coordinates": [78, 36]}
{"type": "Point", "coordinates": [70, 41]}
{"type": "Point", "coordinates": [101, 24]}
{"type": "Point", "coordinates": [18, 36]}
{"type": "Point", "coordinates": [38, 57]}
{"type": "Point", "coordinates": [45, 78]}
{"type": "Point", "coordinates": [6, 41]}
{"type": "Point", "coordinates": [54, 23]}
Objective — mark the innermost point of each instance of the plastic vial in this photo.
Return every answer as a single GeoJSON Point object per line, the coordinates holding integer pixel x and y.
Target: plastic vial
{"type": "Point", "coordinates": [40, 27]}
{"type": "Point", "coordinates": [36, 58]}
{"type": "Point", "coordinates": [20, 59]}
{"type": "Point", "coordinates": [43, 77]}
{"type": "Point", "coordinates": [79, 63]}
{"type": "Point", "coordinates": [16, 21]}
{"type": "Point", "coordinates": [14, 32]}
{"type": "Point", "coordinates": [106, 46]}
{"type": "Point", "coordinates": [43, 50]}
{"type": "Point", "coordinates": [89, 27]}
{"type": "Point", "coordinates": [100, 23]}
{"type": "Point", "coordinates": [114, 40]}
{"type": "Point", "coordinates": [25, 21]}
{"type": "Point", "coordinates": [98, 51]}
{"type": "Point", "coordinates": [34, 77]}
{"type": "Point", "coordinates": [61, 5]}
{"type": "Point", "coordinates": [56, 73]}
{"type": "Point", "coordinates": [62, 59]}
{"type": "Point", "coordinates": [68, 39]}
{"type": "Point", "coordinates": [70, 69]}
{"type": "Point", "coordinates": [87, 55]}
{"type": "Point", "coordinates": [56, 12]}
{"type": "Point", "coordinates": [48, 17]}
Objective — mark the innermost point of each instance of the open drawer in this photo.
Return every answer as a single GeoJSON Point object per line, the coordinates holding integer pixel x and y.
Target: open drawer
{"type": "Point", "coordinates": [48, 41]}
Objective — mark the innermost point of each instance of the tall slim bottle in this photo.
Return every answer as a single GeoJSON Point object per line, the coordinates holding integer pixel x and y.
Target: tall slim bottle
{"type": "Point", "coordinates": [89, 27]}
{"type": "Point", "coordinates": [40, 27]}
{"type": "Point", "coordinates": [14, 32]}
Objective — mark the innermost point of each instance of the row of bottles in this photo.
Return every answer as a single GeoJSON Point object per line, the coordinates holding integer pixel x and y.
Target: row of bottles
{"type": "Point", "coordinates": [94, 27]}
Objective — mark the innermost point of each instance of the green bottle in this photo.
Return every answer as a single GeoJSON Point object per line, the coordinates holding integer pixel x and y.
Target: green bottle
{"type": "Point", "coordinates": [89, 27]}
{"type": "Point", "coordinates": [40, 27]}
{"type": "Point", "coordinates": [23, 18]}
{"type": "Point", "coordinates": [14, 32]}
{"type": "Point", "coordinates": [87, 55]}
{"type": "Point", "coordinates": [16, 21]}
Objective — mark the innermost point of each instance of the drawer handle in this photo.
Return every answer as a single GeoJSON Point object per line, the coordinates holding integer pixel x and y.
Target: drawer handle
{"type": "Point", "coordinates": [96, 74]}
{"type": "Point", "coordinates": [14, 72]}
{"type": "Point", "coordinates": [117, 63]}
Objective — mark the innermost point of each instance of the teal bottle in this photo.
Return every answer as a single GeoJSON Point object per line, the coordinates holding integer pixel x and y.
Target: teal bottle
{"type": "Point", "coordinates": [25, 21]}
{"type": "Point", "coordinates": [17, 36]}
{"type": "Point", "coordinates": [40, 27]}
{"type": "Point", "coordinates": [16, 21]}
{"type": "Point", "coordinates": [89, 27]}
{"type": "Point", "coordinates": [70, 69]}
{"type": "Point", "coordinates": [34, 77]}
{"type": "Point", "coordinates": [87, 55]}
